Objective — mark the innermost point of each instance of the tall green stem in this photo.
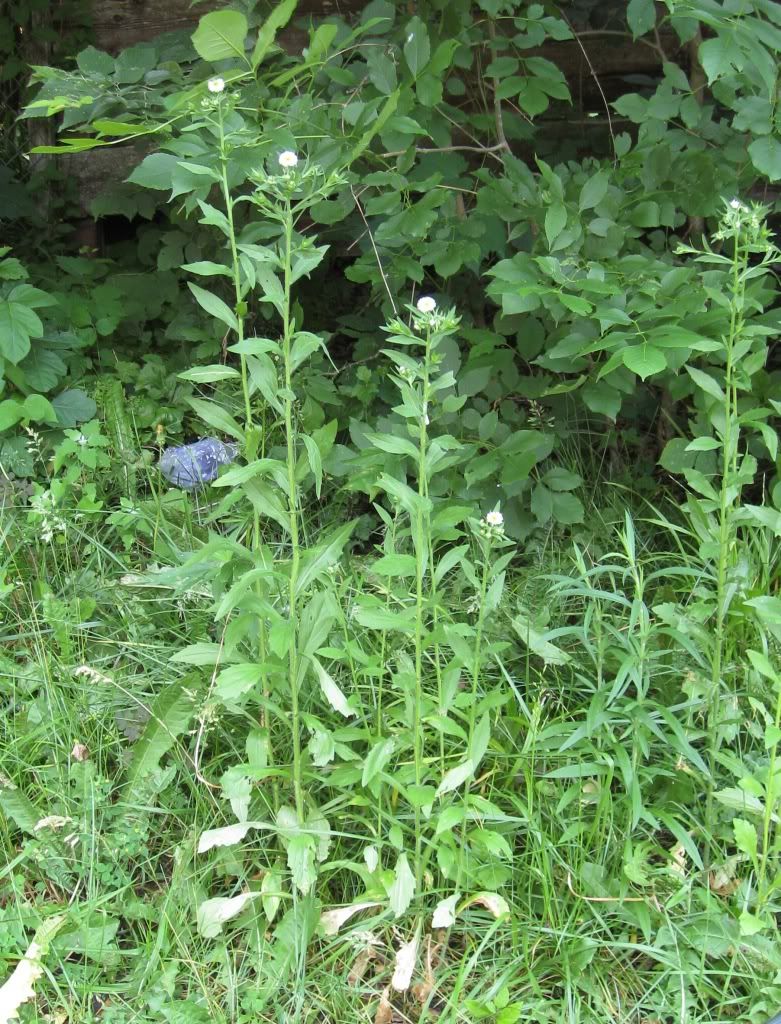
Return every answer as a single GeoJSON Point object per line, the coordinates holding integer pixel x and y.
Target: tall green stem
{"type": "Point", "coordinates": [235, 268]}
{"type": "Point", "coordinates": [730, 441]}
{"type": "Point", "coordinates": [292, 488]}
{"type": "Point", "coordinates": [422, 543]}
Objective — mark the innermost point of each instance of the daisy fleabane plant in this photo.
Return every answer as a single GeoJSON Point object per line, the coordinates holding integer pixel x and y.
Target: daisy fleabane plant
{"type": "Point", "coordinates": [216, 85]}
{"type": "Point", "coordinates": [288, 160]}
{"type": "Point", "coordinates": [426, 304]}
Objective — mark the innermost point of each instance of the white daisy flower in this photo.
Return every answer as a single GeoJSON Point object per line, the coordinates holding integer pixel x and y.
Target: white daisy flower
{"type": "Point", "coordinates": [426, 304]}
{"type": "Point", "coordinates": [494, 518]}
{"type": "Point", "coordinates": [216, 85]}
{"type": "Point", "coordinates": [288, 159]}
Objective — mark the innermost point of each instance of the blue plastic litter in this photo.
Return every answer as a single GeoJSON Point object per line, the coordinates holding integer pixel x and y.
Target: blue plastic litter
{"type": "Point", "coordinates": [191, 466]}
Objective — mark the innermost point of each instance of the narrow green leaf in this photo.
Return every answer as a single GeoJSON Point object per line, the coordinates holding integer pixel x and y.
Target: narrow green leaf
{"type": "Point", "coordinates": [279, 17]}
{"type": "Point", "coordinates": [214, 305]}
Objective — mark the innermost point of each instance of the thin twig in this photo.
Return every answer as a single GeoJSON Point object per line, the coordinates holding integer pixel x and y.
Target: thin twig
{"type": "Point", "coordinates": [498, 118]}
{"type": "Point", "coordinates": [596, 79]}
{"type": "Point", "coordinates": [376, 253]}
{"type": "Point", "coordinates": [490, 150]}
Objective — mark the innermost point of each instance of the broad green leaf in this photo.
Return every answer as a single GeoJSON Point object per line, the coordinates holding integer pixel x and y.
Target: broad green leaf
{"type": "Point", "coordinates": [594, 190]}
{"type": "Point", "coordinates": [393, 445]}
{"type": "Point", "coordinates": [38, 408]}
{"type": "Point", "coordinates": [73, 406]}
{"type": "Point", "coordinates": [301, 861]}
{"type": "Point", "coordinates": [304, 344]}
{"type": "Point", "coordinates": [644, 360]}
{"type": "Point", "coordinates": [537, 641]}
{"type": "Point", "coordinates": [18, 807]}
{"type": "Point", "coordinates": [318, 559]}
{"type": "Point", "coordinates": [706, 383]}
{"type": "Point", "coordinates": [417, 49]}
{"type": "Point", "coordinates": [169, 716]}
{"type": "Point", "coordinates": [641, 16]}
{"type": "Point", "coordinates": [18, 324]}
{"type": "Point", "coordinates": [155, 171]}
{"type": "Point", "coordinates": [237, 680]}
{"type": "Point", "coordinates": [379, 755]}
{"type": "Point", "coordinates": [555, 221]}
{"type": "Point", "coordinates": [220, 36]}
{"type": "Point", "coordinates": [215, 416]}
{"type": "Point", "coordinates": [214, 306]}
{"type": "Point", "coordinates": [376, 126]}
{"type": "Point", "coordinates": [745, 837]}
{"type": "Point", "coordinates": [395, 565]}
{"type": "Point", "coordinates": [10, 413]}
{"type": "Point", "coordinates": [765, 154]}
{"type": "Point", "coordinates": [456, 777]}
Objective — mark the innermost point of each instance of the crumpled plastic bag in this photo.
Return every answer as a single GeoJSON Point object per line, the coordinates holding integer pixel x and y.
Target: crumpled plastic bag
{"type": "Point", "coordinates": [190, 466]}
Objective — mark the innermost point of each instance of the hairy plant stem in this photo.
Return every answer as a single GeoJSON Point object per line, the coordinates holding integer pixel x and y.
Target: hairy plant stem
{"type": "Point", "coordinates": [235, 269]}
{"type": "Point", "coordinates": [422, 543]}
{"type": "Point", "coordinates": [295, 547]}
{"type": "Point", "coordinates": [727, 498]}
{"type": "Point", "coordinates": [251, 437]}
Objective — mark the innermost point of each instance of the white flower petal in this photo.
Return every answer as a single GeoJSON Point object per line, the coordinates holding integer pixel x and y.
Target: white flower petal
{"type": "Point", "coordinates": [426, 304]}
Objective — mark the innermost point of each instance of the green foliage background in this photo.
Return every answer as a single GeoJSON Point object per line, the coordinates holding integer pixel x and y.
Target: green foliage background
{"type": "Point", "coordinates": [348, 683]}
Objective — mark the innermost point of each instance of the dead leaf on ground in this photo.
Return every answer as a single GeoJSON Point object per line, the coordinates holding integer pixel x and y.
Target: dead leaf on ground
{"type": "Point", "coordinates": [384, 1014]}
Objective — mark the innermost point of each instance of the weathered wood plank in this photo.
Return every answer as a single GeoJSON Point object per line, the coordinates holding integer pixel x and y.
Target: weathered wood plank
{"type": "Point", "coordinates": [121, 23]}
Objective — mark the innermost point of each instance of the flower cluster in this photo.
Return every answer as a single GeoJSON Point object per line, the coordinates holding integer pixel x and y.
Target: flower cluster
{"type": "Point", "coordinates": [746, 224]}
{"type": "Point", "coordinates": [492, 525]}
{"type": "Point", "coordinates": [43, 507]}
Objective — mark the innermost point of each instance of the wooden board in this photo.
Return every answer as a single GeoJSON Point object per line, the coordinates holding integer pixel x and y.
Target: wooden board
{"type": "Point", "coordinates": [121, 23]}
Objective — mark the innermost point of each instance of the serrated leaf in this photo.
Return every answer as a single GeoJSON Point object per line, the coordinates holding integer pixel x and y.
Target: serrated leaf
{"type": "Point", "coordinates": [170, 715]}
